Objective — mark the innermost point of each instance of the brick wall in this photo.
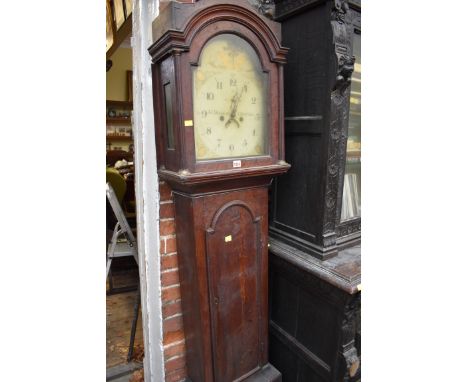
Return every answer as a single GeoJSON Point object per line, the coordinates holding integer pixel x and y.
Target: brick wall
{"type": "Point", "coordinates": [173, 331]}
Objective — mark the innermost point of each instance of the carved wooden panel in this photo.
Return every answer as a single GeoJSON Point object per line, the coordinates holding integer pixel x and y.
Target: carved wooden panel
{"type": "Point", "coordinates": [349, 231]}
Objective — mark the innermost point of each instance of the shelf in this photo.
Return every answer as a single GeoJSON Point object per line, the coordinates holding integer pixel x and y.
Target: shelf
{"type": "Point", "coordinates": [119, 120]}
{"type": "Point", "coordinates": [118, 138]}
{"type": "Point", "coordinates": [128, 105]}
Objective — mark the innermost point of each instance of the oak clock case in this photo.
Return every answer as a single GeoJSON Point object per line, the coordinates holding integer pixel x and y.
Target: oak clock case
{"type": "Point", "coordinates": [217, 82]}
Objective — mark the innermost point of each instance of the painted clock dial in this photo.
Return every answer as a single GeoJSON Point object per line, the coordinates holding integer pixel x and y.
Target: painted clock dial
{"type": "Point", "coordinates": [229, 100]}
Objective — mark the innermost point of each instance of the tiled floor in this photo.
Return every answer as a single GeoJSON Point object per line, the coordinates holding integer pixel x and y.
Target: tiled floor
{"type": "Point", "coordinates": [131, 372]}
{"type": "Point", "coordinates": [119, 316]}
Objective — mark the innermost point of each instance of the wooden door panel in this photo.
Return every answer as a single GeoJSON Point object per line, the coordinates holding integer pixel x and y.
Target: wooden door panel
{"type": "Point", "coordinates": [233, 253]}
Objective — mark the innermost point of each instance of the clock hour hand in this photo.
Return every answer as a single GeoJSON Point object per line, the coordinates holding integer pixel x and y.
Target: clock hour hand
{"type": "Point", "coordinates": [231, 120]}
{"type": "Point", "coordinates": [233, 106]}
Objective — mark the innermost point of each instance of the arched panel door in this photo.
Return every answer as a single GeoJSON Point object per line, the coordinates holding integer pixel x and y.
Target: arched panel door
{"type": "Point", "coordinates": [233, 254]}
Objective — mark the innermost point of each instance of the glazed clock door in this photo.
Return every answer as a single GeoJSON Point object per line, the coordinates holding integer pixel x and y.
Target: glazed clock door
{"type": "Point", "coordinates": [234, 275]}
{"type": "Point", "coordinates": [229, 100]}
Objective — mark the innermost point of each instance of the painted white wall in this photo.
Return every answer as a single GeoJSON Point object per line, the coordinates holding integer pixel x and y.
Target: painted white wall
{"type": "Point", "coordinates": [147, 190]}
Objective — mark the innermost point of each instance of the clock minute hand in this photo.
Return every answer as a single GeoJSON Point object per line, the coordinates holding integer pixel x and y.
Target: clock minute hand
{"type": "Point", "coordinates": [232, 114]}
{"type": "Point", "coordinates": [233, 106]}
{"type": "Point", "coordinates": [238, 98]}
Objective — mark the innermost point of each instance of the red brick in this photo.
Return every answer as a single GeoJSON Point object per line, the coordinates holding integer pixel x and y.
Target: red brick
{"type": "Point", "coordinates": [170, 294]}
{"type": "Point", "coordinates": [167, 227]}
{"type": "Point", "coordinates": [174, 350]}
{"type": "Point", "coordinates": [176, 376]}
{"type": "Point", "coordinates": [166, 210]}
{"type": "Point", "coordinates": [168, 262]}
{"type": "Point", "coordinates": [170, 278]}
{"type": "Point", "coordinates": [174, 364]}
{"type": "Point", "coordinates": [168, 245]}
{"type": "Point", "coordinates": [172, 309]}
{"type": "Point", "coordinates": [171, 337]}
{"type": "Point", "coordinates": [173, 324]}
{"type": "Point", "coordinates": [165, 192]}
{"type": "Point", "coordinates": [171, 245]}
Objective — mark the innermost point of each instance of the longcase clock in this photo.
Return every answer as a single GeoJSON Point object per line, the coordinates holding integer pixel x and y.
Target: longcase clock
{"type": "Point", "coordinates": [217, 80]}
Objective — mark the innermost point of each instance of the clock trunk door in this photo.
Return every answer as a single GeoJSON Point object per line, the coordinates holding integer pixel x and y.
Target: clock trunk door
{"type": "Point", "coordinates": [233, 252]}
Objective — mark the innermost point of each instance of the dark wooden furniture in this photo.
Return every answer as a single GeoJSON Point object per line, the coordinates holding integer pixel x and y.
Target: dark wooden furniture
{"type": "Point", "coordinates": [314, 256]}
{"type": "Point", "coordinates": [221, 205]}
{"type": "Point", "coordinates": [315, 314]}
{"type": "Point", "coordinates": [307, 204]}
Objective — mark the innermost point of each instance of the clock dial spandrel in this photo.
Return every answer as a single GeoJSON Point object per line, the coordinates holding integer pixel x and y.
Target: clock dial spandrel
{"type": "Point", "coordinates": [229, 100]}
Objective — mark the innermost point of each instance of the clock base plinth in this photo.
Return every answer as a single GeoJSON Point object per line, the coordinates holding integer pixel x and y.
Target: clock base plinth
{"type": "Point", "coordinates": [267, 373]}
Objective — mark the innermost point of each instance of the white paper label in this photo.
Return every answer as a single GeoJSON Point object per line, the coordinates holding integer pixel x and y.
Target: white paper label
{"type": "Point", "coordinates": [236, 163]}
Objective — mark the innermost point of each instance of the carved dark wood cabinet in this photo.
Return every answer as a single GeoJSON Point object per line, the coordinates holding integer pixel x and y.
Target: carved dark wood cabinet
{"type": "Point", "coordinates": [315, 224]}
{"type": "Point", "coordinates": [218, 103]}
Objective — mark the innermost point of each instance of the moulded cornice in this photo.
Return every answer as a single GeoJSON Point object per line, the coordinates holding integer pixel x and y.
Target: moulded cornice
{"type": "Point", "coordinates": [185, 23]}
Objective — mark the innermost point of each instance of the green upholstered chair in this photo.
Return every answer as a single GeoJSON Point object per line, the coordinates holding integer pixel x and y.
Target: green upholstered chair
{"type": "Point", "coordinates": [117, 182]}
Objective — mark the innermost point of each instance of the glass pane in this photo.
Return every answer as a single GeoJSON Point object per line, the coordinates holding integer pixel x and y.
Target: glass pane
{"type": "Point", "coordinates": [229, 101]}
{"type": "Point", "coordinates": [129, 5]}
{"type": "Point", "coordinates": [119, 13]}
{"type": "Point", "coordinates": [351, 206]}
{"type": "Point", "coordinates": [169, 120]}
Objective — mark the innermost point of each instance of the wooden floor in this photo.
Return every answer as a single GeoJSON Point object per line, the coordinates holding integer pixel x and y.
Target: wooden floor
{"type": "Point", "coordinates": [119, 316]}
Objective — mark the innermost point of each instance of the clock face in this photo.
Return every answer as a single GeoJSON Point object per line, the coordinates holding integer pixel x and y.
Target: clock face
{"type": "Point", "coordinates": [229, 100]}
